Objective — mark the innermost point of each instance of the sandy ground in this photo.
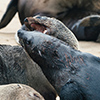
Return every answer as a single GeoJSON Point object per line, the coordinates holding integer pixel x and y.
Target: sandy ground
{"type": "Point", "coordinates": [7, 34]}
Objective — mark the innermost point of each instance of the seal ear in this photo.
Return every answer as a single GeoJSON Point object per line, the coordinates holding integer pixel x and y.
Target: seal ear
{"type": "Point", "coordinates": [9, 14]}
{"type": "Point", "coordinates": [71, 91]}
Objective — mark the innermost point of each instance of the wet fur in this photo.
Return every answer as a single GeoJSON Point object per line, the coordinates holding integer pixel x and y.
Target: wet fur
{"type": "Point", "coordinates": [66, 69]}
{"type": "Point", "coordinates": [17, 67]}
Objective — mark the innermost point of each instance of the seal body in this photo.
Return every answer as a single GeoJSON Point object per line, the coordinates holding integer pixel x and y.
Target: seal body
{"type": "Point", "coordinates": [18, 92]}
{"type": "Point", "coordinates": [17, 67]}
{"type": "Point", "coordinates": [74, 74]}
{"type": "Point", "coordinates": [68, 11]}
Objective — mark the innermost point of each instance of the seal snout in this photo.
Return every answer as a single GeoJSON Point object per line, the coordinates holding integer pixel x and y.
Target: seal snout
{"type": "Point", "coordinates": [20, 33]}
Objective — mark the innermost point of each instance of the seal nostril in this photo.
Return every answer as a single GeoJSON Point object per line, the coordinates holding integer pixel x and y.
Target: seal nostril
{"type": "Point", "coordinates": [19, 34]}
{"type": "Point", "coordinates": [25, 20]}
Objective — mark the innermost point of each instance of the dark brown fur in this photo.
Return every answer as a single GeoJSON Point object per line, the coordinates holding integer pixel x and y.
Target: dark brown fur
{"type": "Point", "coordinates": [17, 67]}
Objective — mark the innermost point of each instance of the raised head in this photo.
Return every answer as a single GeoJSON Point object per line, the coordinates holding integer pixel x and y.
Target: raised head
{"type": "Point", "coordinates": [51, 26]}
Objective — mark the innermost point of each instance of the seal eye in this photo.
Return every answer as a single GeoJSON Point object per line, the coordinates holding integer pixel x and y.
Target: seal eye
{"type": "Point", "coordinates": [28, 42]}
{"type": "Point", "coordinates": [36, 95]}
{"type": "Point", "coordinates": [38, 17]}
{"type": "Point", "coordinates": [25, 20]}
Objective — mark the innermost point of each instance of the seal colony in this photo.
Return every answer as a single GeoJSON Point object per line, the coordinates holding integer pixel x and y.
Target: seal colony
{"type": "Point", "coordinates": [71, 72]}
{"type": "Point", "coordinates": [74, 74]}
{"type": "Point", "coordinates": [75, 14]}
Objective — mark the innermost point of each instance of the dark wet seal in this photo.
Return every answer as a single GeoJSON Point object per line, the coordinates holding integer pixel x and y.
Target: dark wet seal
{"type": "Point", "coordinates": [74, 74]}
{"type": "Point", "coordinates": [17, 67]}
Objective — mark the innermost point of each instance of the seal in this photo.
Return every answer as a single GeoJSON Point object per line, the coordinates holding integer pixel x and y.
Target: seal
{"type": "Point", "coordinates": [17, 67]}
{"type": "Point", "coordinates": [74, 74]}
{"type": "Point", "coordinates": [68, 11]}
{"type": "Point", "coordinates": [18, 92]}
{"type": "Point", "coordinates": [88, 27]}
{"type": "Point", "coordinates": [53, 27]}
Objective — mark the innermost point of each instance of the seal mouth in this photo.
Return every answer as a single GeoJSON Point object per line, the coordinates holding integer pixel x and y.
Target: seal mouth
{"type": "Point", "coordinates": [32, 25]}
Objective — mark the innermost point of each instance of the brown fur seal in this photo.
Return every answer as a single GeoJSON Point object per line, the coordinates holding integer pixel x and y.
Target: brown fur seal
{"type": "Point", "coordinates": [52, 26]}
{"type": "Point", "coordinates": [74, 74]}
{"type": "Point", "coordinates": [69, 12]}
{"type": "Point", "coordinates": [18, 92]}
{"type": "Point", "coordinates": [17, 67]}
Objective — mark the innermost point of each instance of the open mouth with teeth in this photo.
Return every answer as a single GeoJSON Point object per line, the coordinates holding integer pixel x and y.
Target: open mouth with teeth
{"type": "Point", "coordinates": [33, 25]}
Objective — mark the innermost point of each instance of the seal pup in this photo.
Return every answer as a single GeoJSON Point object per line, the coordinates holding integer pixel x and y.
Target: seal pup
{"type": "Point", "coordinates": [18, 92]}
{"type": "Point", "coordinates": [74, 74]}
{"type": "Point", "coordinates": [70, 12]}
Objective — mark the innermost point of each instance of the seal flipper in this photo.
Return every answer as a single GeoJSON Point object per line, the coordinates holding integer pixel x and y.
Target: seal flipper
{"type": "Point", "coordinates": [87, 28]}
{"type": "Point", "coordinates": [71, 91]}
{"type": "Point", "coordinates": [9, 14]}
